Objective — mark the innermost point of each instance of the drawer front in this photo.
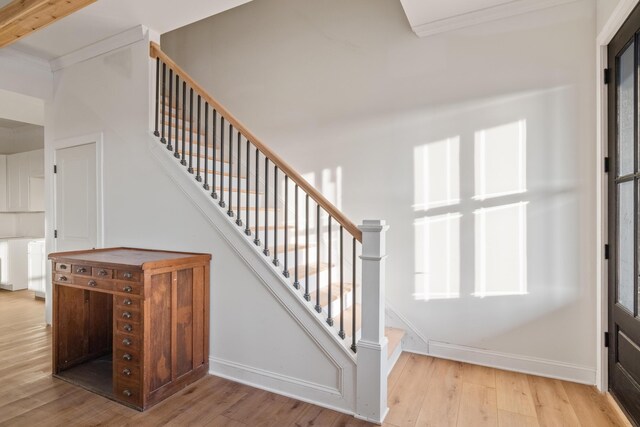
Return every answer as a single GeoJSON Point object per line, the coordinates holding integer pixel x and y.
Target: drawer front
{"type": "Point", "coordinates": [128, 391]}
{"type": "Point", "coordinates": [130, 275]}
{"type": "Point", "coordinates": [83, 270]}
{"type": "Point", "coordinates": [128, 327]}
{"type": "Point", "coordinates": [127, 342]}
{"type": "Point", "coordinates": [127, 302]}
{"type": "Point", "coordinates": [63, 267]}
{"type": "Point", "coordinates": [127, 314]}
{"type": "Point", "coordinates": [102, 273]}
{"type": "Point", "coordinates": [63, 278]}
{"type": "Point", "coordinates": [127, 372]}
{"type": "Point", "coordinates": [127, 356]}
{"type": "Point", "coordinates": [128, 288]}
{"type": "Point", "coordinates": [92, 283]}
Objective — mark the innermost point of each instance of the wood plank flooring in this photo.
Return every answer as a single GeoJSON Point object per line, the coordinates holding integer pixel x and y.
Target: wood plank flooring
{"type": "Point", "coordinates": [423, 391]}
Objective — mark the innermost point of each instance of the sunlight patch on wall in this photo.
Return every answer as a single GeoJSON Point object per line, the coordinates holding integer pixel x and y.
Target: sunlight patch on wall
{"type": "Point", "coordinates": [437, 252]}
{"type": "Point", "coordinates": [501, 250]}
{"type": "Point", "coordinates": [500, 160]}
{"type": "Point", "coordinates": [437, 174]}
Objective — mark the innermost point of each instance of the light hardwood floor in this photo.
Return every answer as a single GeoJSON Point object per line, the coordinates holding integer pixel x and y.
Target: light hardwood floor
{"type": "Point", "coordinates": [423, 391]}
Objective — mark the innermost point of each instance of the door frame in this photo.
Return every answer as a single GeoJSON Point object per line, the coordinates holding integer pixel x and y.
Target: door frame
{"type": "Point", "coordinates": [609, 30]}
{"type": "Point", "coordinates": [50, 206]}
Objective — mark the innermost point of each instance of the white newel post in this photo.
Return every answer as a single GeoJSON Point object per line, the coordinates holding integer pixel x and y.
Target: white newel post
{"type": "Point", "coordinates": [371, 399]}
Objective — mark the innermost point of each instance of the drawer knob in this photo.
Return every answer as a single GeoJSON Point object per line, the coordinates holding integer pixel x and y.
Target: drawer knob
{"type": "Point", "coordinates": [127, 392]}
{"type": "Point", "coordinates": [92, 283]}
{"type": "Point", "coordinates": [127, 357]}
{"type": "Point", "coordinates": [126, 315]}
{"type": "Point", "coordinates": [126, 372]}
{"type": "Point", "coordinates": [102, 273]}
{"type": "Point", "coordinates": [63, 278]}
{"type": "Point", "coordinates": [62, 267]}
{"type": "Point", "coordinates": [127, 275]}
{"type": "Point", "coordinates": [127, 301]}
{"type": "Point", "coordinates": [128, 289]}
{"type": "Point", "coordinates": [127, 341]}
{"type": "Point", "coordinates": [127, 327]}
{"type": "Point", "coordinates": [81, 270]}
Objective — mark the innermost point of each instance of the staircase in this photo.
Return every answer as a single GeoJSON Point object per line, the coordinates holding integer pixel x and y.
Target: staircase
{"type": "Point", "coordinates": [333, 265]}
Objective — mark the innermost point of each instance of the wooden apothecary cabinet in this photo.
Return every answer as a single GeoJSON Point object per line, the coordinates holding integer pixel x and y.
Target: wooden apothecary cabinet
{"type": "Point", "coordinates": [130, 324]}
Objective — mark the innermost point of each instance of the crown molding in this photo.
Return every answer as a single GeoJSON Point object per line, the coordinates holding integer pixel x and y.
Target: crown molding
{"type": "Point", "coordinates": [512, 8]}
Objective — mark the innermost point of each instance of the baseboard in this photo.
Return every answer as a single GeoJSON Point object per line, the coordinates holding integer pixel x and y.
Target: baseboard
{"type": "Point", "coordinates": [10, 287]}
{"type": "Point", "coordinates": [413, 341]}
{"type": "Point", "coordinates": [513, 362]}
{"type": "Point", "coordinates": [279, 384]}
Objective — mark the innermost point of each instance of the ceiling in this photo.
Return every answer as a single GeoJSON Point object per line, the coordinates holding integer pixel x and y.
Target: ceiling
{"type": "Point", "coordinates": [106, 18]}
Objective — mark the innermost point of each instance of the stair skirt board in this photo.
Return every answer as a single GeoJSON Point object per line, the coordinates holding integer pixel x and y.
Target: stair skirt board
{"type": "Point", "coordinates": [313, 323]}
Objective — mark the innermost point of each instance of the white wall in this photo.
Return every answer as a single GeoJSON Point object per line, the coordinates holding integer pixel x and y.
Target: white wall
{"type": "Point", "coordinates": [347, 85]}
{"type": "Point", "coordinates": [604, 9]}
{"type": "Point", "coordinates": [252, 335]}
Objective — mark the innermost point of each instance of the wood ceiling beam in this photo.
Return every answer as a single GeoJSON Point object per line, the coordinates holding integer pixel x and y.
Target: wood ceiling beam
{"type": "Point", "coordinates": [23, 17]}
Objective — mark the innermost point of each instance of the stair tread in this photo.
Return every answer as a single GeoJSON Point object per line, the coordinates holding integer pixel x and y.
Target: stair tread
{"type": "Point", "coordinates": [335, 293]}
{"type": "Point", "coordinates": [394, 337]}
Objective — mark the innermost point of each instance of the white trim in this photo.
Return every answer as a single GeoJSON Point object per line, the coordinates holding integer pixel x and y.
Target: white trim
{"type": "Point", "coordinates": [514, 362]}
{"type": "Point", "coordinates": [94, 138]}
{"type": "Point", "coordinates": [611, 27]}
{"type": "Point", "coordinates": [413, 340]}
{"type": "Point", "coordinates": [506, 10]}
{"type": "Point", "coordinates": [117, 41]}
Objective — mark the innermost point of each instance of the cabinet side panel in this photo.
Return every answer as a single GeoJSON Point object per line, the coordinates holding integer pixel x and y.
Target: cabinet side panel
{"type": "Point", "coordinates": [71, 325]}
{"type": "Point", "coordinates": [160, 325]}
{"type": "Point", "coordinates": [198, 316]}
{"type": "Point", "coordinates": [184, 322]}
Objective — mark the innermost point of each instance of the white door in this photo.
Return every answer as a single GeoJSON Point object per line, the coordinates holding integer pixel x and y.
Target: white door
{"type": "Point", "coordinates": [76, 198]}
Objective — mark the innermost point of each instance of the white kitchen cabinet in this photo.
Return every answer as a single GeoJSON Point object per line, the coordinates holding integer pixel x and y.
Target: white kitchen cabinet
{"type": "Point", "coordinates": [14, 257]}
{"type": "Point", "coordinates": [3, 183]}
{"type": "Point", "coordinates": [37, 259]}
{"type": "Point", "coordinates": [24, 171]}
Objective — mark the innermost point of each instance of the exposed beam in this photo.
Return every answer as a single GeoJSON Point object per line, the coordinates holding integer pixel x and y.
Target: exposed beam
{"type": "Point", "coordinates": [22, 17]}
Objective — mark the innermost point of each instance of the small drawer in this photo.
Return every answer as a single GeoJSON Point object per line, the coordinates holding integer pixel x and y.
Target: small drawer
{"type": "Point", "coordinates": [127, 302]}
{"type": "Point", "coordinates": [61, 266]}
{"type": "Point", "coordinates": [128, 327]}
{"type": "Point", "coordinates": [127, 391]}
{"type": "Point", "coordinates": [129, 356]}
{"type": "Point", "coordinates": [126, 314]}
{"type": "Point", "coordinates": [127, 372]}
{"type": "Point", "coordinates": [94, 283]}
{"type": "Point", "coordinates": [83, 270]}
{"type": "Point", "coordinates": [127, 342]}
{"type": "Point", "coordinates": [102, 273]}
{"type": "Point", "coordinates": [131, 275]}
{"type": "Point", "coordinates": [129, 288]}
{"type": "Point", "coordinates": [63, 278]}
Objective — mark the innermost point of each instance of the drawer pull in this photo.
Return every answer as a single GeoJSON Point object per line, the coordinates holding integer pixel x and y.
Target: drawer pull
{"type": "Point", "coordinates": [127, 301]}
{"type": "Point", "coordinates": [127, 327]}
{"type": "Point", "coordinates": [127, 341]}
{"type": "Point", "coordinates": [127, 357]}
{"type": "Point", "coordinates": [62, 267]}
{"type": "Point", "coordinates": [128, 289]}
{"type": "Point", "coordinates": [126, 315]}
{"type": "Point", "coordinates": [127, 275]}
{"type": "Point", "coordinates": [127, 392]}
{"type": "Point", "coordinates": [102, 273]}
{"type": "Point", "coordinates": [126, 372]}
{"type": "Point", "coordinates": [92, 283]}
{"type": "Point", "coordinates": [63, 278]}
{"type": "Point", "coordinates": [81, 270]}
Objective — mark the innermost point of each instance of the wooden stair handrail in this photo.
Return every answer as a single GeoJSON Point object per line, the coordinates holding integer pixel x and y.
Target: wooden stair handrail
{"type": "Point", "coordinates": [156, 52]}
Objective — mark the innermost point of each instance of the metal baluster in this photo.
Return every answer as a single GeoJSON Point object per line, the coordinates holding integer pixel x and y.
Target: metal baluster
{"type": "Point", "coordinates": [214, 177]}
{"type": "Point", "coordinates": [296, 283]}
{"type": "Point", "coordinates": [206, 146]}
{"type": "Point", "coordinates": [266, 206]}
{"type": "Point", "coordinates": [285, 273]}
{"type": "Point", "coordinates": [198, 176]}
{"type": "Point", "coordinates": [307, 295]}
{"type": "Point", "coordinates": [257, 239]}
{"type": "Point", "coordinates": [238, 156]}
{"type": "Point", "coordinates": [341, 334]}
{"type": "Point", "coordinates": [164, 103]}
{"type": "Point", "coordinates": [329, 317]}
{"type": "Point", "coordinates": [230, 175]}
{"type": "Point", "coordinates": [156, 132]}
{"type": "Point", "coordinates": [183, 162]}
{"type": "Point", "coordinates": [222, 203]}
{"type": "Point", "coordinates": [318, 306]}
{"type": "Point", "coordinates": [353, 299]}
{"type": "Point", "coordinates": [276, 262]}
{"type": "Point", "coordinates": [176, 154]}
{"type": "Point", "coordinates": [169, 146]}
{"type": "Point", "coordinates": [190, 168]}
{"type": "Point", "coordinates": [247, 230]}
